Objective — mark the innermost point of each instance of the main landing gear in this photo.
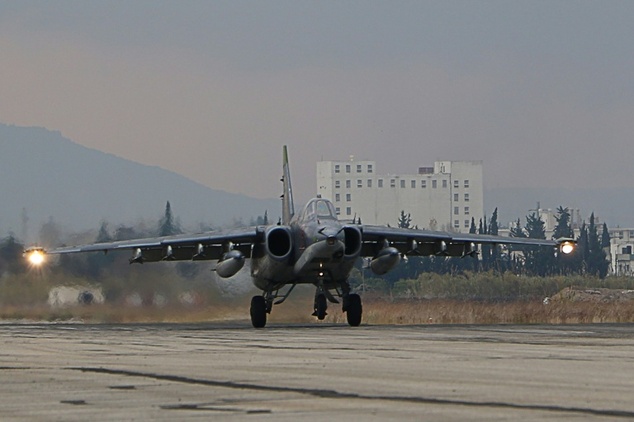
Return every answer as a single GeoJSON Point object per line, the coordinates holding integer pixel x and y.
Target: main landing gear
{"type": "Point", "coordinates": [258, 311]}
{"type": "Point", "coordinates": [353, 309]}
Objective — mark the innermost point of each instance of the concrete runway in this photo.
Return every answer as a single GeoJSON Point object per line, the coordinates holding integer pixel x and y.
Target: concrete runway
{"type": "Point", "coordinates": [315, 372]}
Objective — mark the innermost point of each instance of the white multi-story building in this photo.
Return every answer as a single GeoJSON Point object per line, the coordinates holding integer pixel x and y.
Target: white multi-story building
{"type": "Point", "coordinates": [621, 251]}
{"type": "Point", "coordinates": [445, 196]}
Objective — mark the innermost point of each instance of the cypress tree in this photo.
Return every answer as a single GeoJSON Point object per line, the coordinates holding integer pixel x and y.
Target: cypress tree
{"type": "Point", "coordinates": [493, 230]}
{"type": "Point", "coordinates": [539, 260]}
{"type": "Point", "coordinates": [167, 224]}
{"type": "Point", "coordinates": [596, 263]}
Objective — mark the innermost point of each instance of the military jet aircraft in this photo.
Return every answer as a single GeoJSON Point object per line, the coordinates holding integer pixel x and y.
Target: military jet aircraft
{"type": "Point", "coordinates": [310, 247]}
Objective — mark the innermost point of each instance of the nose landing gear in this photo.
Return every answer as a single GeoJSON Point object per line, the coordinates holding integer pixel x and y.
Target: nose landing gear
{"type": "Point", "coordinates": [351, 304]}
{"type": "Point", "coordinates": [321, 305]}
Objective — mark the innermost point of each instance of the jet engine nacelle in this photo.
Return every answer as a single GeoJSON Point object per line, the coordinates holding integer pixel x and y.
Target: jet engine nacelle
{"type": "Point", "coordinates": [352, 242]}
{"type": "Point", "coordinates": [230, 264]}
{"type": "Point", "coordinates": [385, 260]}
{"type": "Point", "coordinates": [271, 257]}
{"type": "Point", "coordinates": [278, 243]}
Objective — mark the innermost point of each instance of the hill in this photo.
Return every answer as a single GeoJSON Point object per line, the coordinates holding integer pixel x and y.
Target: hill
{"type": "Point", "coordinates": [45, 176]}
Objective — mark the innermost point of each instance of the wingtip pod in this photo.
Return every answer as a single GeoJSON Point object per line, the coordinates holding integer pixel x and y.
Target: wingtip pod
{"type": "Point", "coordinates": [35, 255]}
{"type": "Point", "coordinates": [566, 245]}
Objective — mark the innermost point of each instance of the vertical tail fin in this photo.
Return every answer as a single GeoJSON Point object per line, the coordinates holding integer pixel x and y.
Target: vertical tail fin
{"type": "Point", "coordinates": [288, 209]}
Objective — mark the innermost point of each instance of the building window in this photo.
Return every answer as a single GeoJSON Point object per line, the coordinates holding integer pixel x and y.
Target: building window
{"type": "Point", "coordinates": [466, 183]}
{"type": "Point", "coordinates": [456, 184]}
{"type": "Point", "coordinates": [359, 183]}
{"type": "Point", "coordinates": [444, 184]}
{"type": "Point", "coordinates": [456, 197]}
{"type": "Point", "coordinates": [348, 197]}
{"type": "Point", "coordinates": [434, 184]}
{"type": "Point", "coordinates": [369, 183]}
{"type": "Point", "coordinates": [456, 210]}
{"type": "Point", "coordinates": [380, 183]}
{"type": "Point", "coordinates": [369, 168]}
{"type": "Point", "coordinates": [337, 184]}
{"type": "Point", "coordinates": [467, 224]}
{"type": "Point", "coordinates": [347, 168]}
{"type": "Point", "coordinates": [347, 184]}
{"type": "Point", "coordinates": [402, 183]}
{"type": "Point", "coordinates": [413, 184]}
{"type": "Point", "coordinates": [358, 168]}
{"type": "Point", "coordinates": [348, 211]}
{"type": "Point", "coordinates": [338, 210]}
{"type": "Point", "coordinates": [466, 197]}
{"type": "Point", "coordinates": [337, 197]}
{"type": "Point", "coordinates": [423, 184]}
{"type": "Point", "coordinates": [337, 168]}
{"type": "Point", "coordinates": [456, 224]}
{"type": "Point", "coordinates": [466, 210]}
{"type": "Point", "coordinates": [392, 183]}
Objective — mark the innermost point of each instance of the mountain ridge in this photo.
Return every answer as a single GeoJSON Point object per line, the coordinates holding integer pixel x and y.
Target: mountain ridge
{"type": "Point", "coordinates": [52, 177]}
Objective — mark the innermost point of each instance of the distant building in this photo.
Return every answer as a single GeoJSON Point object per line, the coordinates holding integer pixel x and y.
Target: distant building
{"type": "Point", "coordinates": [443, 197]}
{"type": "Point", "coordinates": [621, 247]}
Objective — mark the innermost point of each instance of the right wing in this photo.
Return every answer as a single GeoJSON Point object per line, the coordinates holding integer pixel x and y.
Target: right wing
{"type": "Point", "coordinates": [428, 242]}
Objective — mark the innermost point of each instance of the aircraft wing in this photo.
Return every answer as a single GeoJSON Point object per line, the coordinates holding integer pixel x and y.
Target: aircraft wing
{"type": "Point", "coordinates": [210, 245]}
{"type": "Point", "coordinates": [428, 242]}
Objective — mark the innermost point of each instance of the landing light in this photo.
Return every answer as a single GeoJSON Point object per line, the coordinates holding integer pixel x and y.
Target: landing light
{"type": "Point", "coordinates": [35, 256]}
{"type": "Point", "coordinates": [567, 247]}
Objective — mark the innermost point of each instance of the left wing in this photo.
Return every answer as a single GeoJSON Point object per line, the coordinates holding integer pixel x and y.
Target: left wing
{"type": "Point", "coordinates": [428, 242]}
{"type": "Point", "coordinates": [210, 245]}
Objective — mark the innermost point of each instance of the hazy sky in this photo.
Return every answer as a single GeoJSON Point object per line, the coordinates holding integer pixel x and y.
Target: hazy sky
{"type": "Point", "coordinates": [541, 91]}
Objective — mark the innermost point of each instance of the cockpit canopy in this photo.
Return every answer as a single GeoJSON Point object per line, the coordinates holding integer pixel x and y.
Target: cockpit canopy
{"type": "Point", "coordinates": [319, 208]}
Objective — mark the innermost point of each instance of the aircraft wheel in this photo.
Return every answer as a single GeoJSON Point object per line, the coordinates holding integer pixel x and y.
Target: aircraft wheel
{"type": "Point", "coordinates": [258, 311]}
{"type": "Point", "coordinates": [354, 310]}
{"type": "Point", "coordinates": [320, 306]}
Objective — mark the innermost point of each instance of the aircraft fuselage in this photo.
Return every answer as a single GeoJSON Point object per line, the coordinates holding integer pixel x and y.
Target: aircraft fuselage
{"type": "Point", "coordinates": [321, 250]}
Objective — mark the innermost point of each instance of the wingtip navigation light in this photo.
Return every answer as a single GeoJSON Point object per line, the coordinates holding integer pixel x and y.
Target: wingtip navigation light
{"type": "Point", "coordinates": [566, 246]}
{"type": "Point", "coordinates": [36, 256]}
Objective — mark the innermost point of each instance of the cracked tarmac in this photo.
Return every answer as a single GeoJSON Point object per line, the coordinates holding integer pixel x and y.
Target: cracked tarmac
{"type": "Point", "coordinates": [304, 372]}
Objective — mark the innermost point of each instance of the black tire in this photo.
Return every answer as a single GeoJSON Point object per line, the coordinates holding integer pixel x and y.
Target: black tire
{"type": "Point", "coordinates": [258, 311]}
{"type": "Point", "coordinates": [354, 310]}
{"type": "Point", "coordinates": [320, 306]}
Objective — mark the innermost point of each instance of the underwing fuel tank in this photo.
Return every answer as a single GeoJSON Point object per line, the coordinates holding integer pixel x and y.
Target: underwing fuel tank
{"type": "Point", "coordinates": [230, 264]}
{"type": "Point", "coordinates": [385, 260]}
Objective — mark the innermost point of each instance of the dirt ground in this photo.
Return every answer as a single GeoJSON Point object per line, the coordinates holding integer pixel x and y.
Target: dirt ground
{"type": "Point", "coordinates": [578, 294]}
